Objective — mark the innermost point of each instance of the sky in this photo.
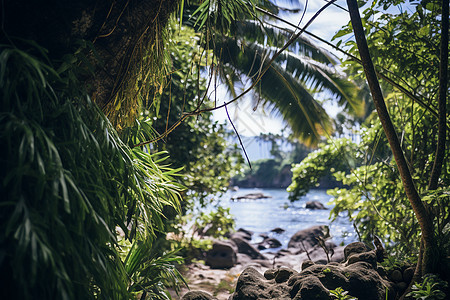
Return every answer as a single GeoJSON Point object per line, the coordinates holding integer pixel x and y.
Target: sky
{"type": "Point", "coordinates": [249, 121]}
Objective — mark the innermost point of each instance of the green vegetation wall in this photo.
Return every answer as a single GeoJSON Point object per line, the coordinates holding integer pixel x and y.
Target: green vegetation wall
{"type": "Point", "coordinates": [80, 210]}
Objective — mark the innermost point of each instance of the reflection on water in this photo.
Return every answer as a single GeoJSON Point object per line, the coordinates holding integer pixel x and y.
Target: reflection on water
{"type": "Point", "coordinates": [263, 215]}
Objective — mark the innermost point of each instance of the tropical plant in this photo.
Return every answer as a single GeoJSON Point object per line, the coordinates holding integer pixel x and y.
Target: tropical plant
{"type": "Point", "coordinates": [199, 145]}
{"type": "Point", "coordinates": [375, 198]}
{"type": "Point", "coordinates": [217, 223]}
{"type": "Point", "coordinates": [340, 294]}
{"type": "Point", "coordinates": [427, 258]}
{"type": "Point", "coordinates": [431, 288]}
{"type": "Point", "coordinates": [337, 155]}
{"type": "Point", "coordinates": [286, 69]}
{"type": "Point", "coordinates": [68, 183]}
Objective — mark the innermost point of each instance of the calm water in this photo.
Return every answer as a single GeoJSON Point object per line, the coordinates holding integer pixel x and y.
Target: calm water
{"type": "Point", "coordinates": [263, 215]}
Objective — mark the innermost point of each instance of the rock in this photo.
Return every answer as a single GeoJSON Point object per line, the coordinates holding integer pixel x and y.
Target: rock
{"type": "Point", "coordinates": [359, 277]}
{"type": "Point", "coordinates": [280, 274]}
{"type": "Point", "coordinates": [243, 234]}
{"type": "Point", "coordinates": [221, 256]}
{"type": "Point", "coordinates": [401, 287]}
{"type": "Point", "coordinates": [246, 232]}
{"type": "Point", "coordinates": [269, 243]}
{"type": "Point", "coordinates": [264, 236]}
{"type": "Point", "coordinates": [283, 252]}
{"type": "Point", "coordinates": [305, 239]}
{"type": "Point", "coordinates": [408, 274]}
{"type": "Point", "coordinates": [251, 285]}
{"type": "Point", "coordinates": [270, 273]}
{"type": "Point", "coordinates": [307, 264]}
{"type": "Point", "coordinates": [317, 254]}
{"type": "Point", "coordinates": [278, 230]}
{"type": "Point", "coordinates": [310, 288]}
{"type": "Point", "coordinates": [283, 274]}
{"type": "Point", "coordinates": [353, 248]}
{"type": "Point", "coordinates": [197, 295]}
{"type": "Point", "coordinates": [245, 247]}
{"type": "Point", "coordinates": [315, 205]}
{"type": "Point", "coordinates": [251, 196]}
{"type": "Point", "coordinates": [368, 257]}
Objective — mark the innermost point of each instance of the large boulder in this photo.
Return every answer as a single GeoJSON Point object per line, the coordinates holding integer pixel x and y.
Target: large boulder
{"type": "Point", "coordinates": [251, 285]}
{"type": "Point", "coordinates": [315, 205]}
{"type": "Point", "coordinates": [222, 255]}
{"type": "Point", "coordinates": [359, 277]}
{"type": "Point", "coordinates": [306, 239]}
{"type": "Point", "coordinates": [243, 234]}
{"type": "Point", "coordinates": [318, 255]}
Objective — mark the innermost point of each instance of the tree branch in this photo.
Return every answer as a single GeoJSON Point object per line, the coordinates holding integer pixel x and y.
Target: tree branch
{"type": "Point", "coordinates": [405, 174]}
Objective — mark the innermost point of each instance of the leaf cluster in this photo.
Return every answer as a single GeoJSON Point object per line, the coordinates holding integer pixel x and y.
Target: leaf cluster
{"type": "Point", "coordinates": [67, 183]}
{"type": "Point", "coordinates": [337, 155]}
{"type": "Point", "coordinates": [431, 288]}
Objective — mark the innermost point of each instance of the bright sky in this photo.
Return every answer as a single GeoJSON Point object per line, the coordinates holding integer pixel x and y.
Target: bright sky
{"type": "Point", "coordinates": [251, 122]}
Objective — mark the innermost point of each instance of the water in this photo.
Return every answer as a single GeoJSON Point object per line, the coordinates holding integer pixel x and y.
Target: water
{"type": "Point", "coordinates": [263, 215]}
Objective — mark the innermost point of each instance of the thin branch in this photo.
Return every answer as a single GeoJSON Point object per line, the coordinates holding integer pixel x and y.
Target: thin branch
{"type": "Point", "coordinates": [240, 141]}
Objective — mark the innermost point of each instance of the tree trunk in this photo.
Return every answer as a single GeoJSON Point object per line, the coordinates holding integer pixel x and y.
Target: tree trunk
{"type": "Point", "coordinates": [116, 32]}
{"type": "Point", "coordinates": [408, 184]}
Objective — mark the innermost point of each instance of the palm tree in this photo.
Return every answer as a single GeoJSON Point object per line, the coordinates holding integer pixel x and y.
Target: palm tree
{"type": "Point", "coordinates": [244, 42]}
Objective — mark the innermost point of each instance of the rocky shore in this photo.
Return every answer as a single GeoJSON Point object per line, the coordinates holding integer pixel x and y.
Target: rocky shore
{"type": "Point", "coordinates": [309, 268]}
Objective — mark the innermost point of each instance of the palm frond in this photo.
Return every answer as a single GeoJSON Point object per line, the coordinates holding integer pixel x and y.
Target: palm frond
{"type": "Point", "coordinates": [252, 31]}
{"type": "Point", "coordinates": [282, 90]}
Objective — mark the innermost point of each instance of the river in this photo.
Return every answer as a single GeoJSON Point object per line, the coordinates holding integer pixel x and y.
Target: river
{"type": "Point", "coordinates": [263, 215]}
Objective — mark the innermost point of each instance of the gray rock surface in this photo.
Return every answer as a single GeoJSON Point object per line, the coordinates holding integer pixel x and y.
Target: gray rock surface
{"type": "Point", "coordinates": [314, 205]}
{"type": "Point", "coordinates": [197, 295]}
{"type": "Point", "coordinates": [358, 276]}
{"type": "Point", "coordinates": [222, 255]}
{"type": "Point", "coordinates": [269, 243]}
{"type": "Point", "coordinates": [251, 196]}
{"type": "Point", "coordinates": [355, 248]}
{"type": "Point", "coordinates": [306, 238]}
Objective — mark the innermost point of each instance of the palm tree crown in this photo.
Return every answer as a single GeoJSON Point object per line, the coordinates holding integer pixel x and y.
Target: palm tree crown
{"type": "Point", "coordinates": [245, 42]}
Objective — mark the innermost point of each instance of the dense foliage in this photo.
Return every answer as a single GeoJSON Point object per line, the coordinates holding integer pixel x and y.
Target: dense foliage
{"type": "Point", "coordinates": [409, 66]}
{"type": "Point", "coordinates": [68, 183]}
{"type": "Point", "coordinates": [199, 143]}
{"type": "Point", "coordinates": [337, 155]}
